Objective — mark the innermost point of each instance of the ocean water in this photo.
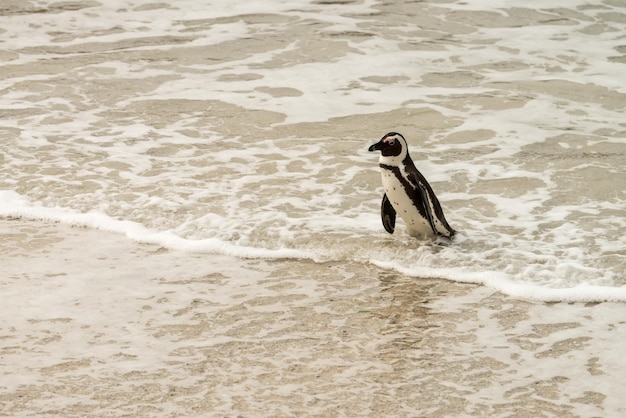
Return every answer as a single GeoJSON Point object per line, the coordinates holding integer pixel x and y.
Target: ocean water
{"type": "Point", "coordinates": [189, 217]}
{"type": "Point", "coordinates": [241, 128]}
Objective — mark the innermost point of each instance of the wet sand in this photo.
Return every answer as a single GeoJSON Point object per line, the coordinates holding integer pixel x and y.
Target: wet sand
{"type": "Point", "coordinates": [115, 110]}
{"type": "Point", "coordinates": [95, 325]}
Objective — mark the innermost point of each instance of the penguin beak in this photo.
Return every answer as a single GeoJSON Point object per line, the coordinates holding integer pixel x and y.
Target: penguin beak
{"type": "Point", "coordinates": [377, 146]}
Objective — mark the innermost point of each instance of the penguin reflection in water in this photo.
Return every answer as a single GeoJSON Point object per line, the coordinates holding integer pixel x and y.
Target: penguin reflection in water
{"type": "Point", "coordinates": [407, 192]}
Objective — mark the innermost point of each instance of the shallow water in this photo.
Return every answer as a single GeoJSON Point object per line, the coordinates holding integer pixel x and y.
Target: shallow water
{"type": "Point", "coordinates": [100, 326]}
{"type": "Point", "coordinates": [243, 130]}
{"type": "Point", "coordinates": [233, 138]}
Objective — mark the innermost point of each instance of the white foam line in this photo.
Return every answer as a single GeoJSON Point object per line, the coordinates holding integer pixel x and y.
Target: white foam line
{"type": "Point", "coordinates": [14, 205]}
{"type": "Point", "coordinates": [500, 282]}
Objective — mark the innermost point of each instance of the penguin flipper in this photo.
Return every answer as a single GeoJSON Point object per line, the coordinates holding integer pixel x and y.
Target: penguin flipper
{"type": "Point", "coordinates": [432, 208]}
{"type": "Point", "coordinates": [388, 214]}
{"type": "Point", "coordinates": [424, 195]}
{"type": "Point", "coordinates": [437, 220]}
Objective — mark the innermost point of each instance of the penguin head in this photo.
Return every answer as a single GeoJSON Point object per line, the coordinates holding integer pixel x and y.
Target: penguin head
{"type": "Point", "coordinates": [391, 145]}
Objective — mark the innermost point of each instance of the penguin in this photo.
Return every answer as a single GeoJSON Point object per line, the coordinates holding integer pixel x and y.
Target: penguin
{"type": "Point", "coordinates": [407, 192]}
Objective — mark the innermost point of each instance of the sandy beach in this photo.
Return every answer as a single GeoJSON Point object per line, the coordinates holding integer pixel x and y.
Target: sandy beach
{"type": "Point", "coordinates": [190, 217]}
{"type": "Point", "coordinates": [164, 333]}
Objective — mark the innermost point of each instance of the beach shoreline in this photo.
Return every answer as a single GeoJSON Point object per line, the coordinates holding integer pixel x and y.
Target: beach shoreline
{"type": "Point", "coordinates": [95, 324]}
{"type": "Point", "coordinates": [175, 141]}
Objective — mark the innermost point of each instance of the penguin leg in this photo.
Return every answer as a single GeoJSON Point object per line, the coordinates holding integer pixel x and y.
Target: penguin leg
{"type": "Point", "coordinates": [388, 214]}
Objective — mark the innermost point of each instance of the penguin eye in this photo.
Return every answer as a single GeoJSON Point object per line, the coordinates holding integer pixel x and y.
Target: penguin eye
{"type": "Point", "coordinates": [390, 141]}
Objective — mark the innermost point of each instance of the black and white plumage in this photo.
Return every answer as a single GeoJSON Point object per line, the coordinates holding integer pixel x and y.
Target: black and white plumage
{"type": "Point", "coordinates": [407, 193]}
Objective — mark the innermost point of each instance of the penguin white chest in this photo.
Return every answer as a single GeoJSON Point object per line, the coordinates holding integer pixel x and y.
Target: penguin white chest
{"type": "Point", "coordinates": [416, 224]}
